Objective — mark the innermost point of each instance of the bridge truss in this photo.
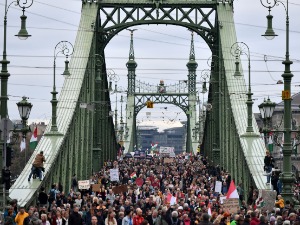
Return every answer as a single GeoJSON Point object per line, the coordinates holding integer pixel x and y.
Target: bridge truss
{"type": "Point", "coordinates": [88, 135]}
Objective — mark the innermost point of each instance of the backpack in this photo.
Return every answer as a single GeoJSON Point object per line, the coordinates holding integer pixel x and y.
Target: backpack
{"type": "Point", "coordinates": [52, 194]}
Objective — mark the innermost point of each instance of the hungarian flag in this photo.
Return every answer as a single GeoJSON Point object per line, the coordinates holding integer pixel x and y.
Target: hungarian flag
{"type": "Point", "coordinates": [259, 203]}
{"type": "Point", "coordinates": [33, 140]}
{"type": "Point", "coordinates": [133, 175]}
{"type": "Point", "coordinates": [232, 191]}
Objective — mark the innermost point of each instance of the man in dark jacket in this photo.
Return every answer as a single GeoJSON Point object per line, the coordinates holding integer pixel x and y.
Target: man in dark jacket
{"type": "Point", "coordinates": [75, 217]}
{"type": "Point", "coordinates": [205, 220]}
{"type": "Point", "coordinates": [43, 198]}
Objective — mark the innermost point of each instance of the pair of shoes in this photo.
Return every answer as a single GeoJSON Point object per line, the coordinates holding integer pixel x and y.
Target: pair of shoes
{"type": "Point", "coordinates": [41, 180]}
{"type": "Point", "coordinates": [267, 183]}
{"type": "Point", "coordinates": [28, 179]}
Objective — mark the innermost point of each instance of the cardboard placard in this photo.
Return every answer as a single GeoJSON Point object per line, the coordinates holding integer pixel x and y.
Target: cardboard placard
{"type": "Point", "coordinates": [231, 204]}
{"type": "Point", "coordinates": [84, 184]}
{"type": "Point", "coordinates": [269, 198]}
{"type": "Point", "coordinates": [119, 189]}
{"type": "Point", "coordinates": [96, 187]}
{"type": "Point", "coordinates": [168, 160]}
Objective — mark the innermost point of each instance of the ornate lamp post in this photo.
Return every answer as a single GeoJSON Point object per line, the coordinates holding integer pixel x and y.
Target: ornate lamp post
{"type": "Point", "coordinates": [23, 34]}
{"type": "Point", "coordinates": [65, 48]}
{"type": "Point", "coordinates": [286, 177]}
{"type": "Point", "coordinates": [4, 75]}
{"type": "Point", "coordinates": [24, 108]}
{"type": "Point", "coordinates": [266, 111]}
{"type": "Point", "coordinates": [204, 75]}
{"type": "Point", "coordinates": [238, 49]}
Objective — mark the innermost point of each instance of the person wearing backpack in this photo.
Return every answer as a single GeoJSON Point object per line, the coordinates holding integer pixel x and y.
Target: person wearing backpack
{"type": "Point", "coordinates": [52, 195]}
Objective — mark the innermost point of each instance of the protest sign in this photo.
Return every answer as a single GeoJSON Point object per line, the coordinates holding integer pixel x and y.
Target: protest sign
{"type": "Point", "coordinates": [269, 198]}
{"type": "Point", "coordinates": [96, 187]}
{"type": "Point", "coordinates": [222, 199]}
{"type": "Point", "coordinates": [83, 184]}
{"type": "Point", "coordinates": [173, 200]}
{"type": "Point", "coordinates": [119, 189]}
{"type": "Point", "coordinates": [168, 160]}
{"type": "Point", "coordinates": [218, 186]}
{"type": "Point", "coordinates": [231, 205]}
{"type": "Point", "coordinates": [114, 174]}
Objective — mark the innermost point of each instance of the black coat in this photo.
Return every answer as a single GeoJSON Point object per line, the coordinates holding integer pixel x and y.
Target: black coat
{"type": "Point", "coordinates": [43, 198]}
{"type": "Point", "coordinates": [75, 219]}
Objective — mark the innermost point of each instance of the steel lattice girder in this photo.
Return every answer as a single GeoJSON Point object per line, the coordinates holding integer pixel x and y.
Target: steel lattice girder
{"type": "Point", "coordinates": [180, 100]}
{"type": "Point", "coordinates": [199, 17]}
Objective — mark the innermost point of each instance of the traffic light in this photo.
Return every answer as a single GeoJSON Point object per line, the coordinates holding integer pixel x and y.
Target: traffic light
{"type": "Point", "coordinates": [9, 156]}
{"type": "Point", "coordinates": [149, 104]}
{"type": "Point", "coordinates": [6, 178]}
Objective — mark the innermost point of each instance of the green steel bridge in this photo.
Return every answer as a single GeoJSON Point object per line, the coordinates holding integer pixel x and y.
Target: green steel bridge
{"type": "Point", "coordinates": [88, 136]}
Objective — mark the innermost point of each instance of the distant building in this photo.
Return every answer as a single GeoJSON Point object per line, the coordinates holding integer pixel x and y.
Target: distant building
{"type": "Point", "coordinates": [172, 137]}
{"type": "Point", "coordinates": [277, 123]}
{"type": "Point", "coordinates": [41, 127]}
{"type": "Point", "coordinates": [278, 115]}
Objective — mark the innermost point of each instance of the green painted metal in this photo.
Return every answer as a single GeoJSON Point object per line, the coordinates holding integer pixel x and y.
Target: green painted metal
{"type": "Point", "coordinates": [89, 137]}
{"type": "Point", "coordinates": [241, 155]}
{"type": "Point", "coordinates": [137, 100]}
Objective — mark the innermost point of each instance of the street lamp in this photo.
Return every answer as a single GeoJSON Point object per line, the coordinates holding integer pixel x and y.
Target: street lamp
{"type": "Point", "coordinates": [204, 75]}
{"type": "Point", "coordinates": [4, 75]}
{"type": "Point", "coordinates": [24, 108]}
{"type": "Point", "coordinates": [286, 176]}
{"type": "Point", "coordinates": [238, 49]}
{"type": "Point", "coordinates": [23, 34]}
{"type": "Point", "coordinates": [64, 48]}
{"type": "Point", "coordinates": [266, 111]}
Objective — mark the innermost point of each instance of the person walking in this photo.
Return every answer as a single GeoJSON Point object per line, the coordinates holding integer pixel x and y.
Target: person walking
{"type": "Point", "coordinates": [75, 217]}
{"type": "Point", "coordinates": [94, 220]}
{"type": "Point", "coordinates": [110, 219]}
{"type": "Point", "coordinates": [43, 198]}
{"type": "Point", "coordinates": [21, 216]}
{"type": "Point", "coordinates": [268, 161]}
{"type": "Point", "coordinates": [38, 165]}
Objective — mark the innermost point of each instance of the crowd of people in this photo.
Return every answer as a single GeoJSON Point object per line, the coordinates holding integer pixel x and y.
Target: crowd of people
{"type": "Point", "coordinates": [180, 191]}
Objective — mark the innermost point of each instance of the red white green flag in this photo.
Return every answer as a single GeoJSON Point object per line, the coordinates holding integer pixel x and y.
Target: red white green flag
{"type": "Point", "coordinates": [33, 140]}
{"type": "Point", "coordinates": [133, 175]}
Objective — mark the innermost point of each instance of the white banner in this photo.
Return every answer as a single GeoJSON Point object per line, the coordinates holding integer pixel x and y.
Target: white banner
{"type": "Point", "coordinates": [84, 184]}
{"type": "Point", "coordinates": [218, 186]}
{"type": "Point", "coordinates": [114, 174]}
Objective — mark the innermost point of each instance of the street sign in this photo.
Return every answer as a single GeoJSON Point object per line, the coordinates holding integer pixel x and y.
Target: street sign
{"type": "Point", "coordinates": [149, 104]}
{"type": "Point", "coordinates": [286, 95]}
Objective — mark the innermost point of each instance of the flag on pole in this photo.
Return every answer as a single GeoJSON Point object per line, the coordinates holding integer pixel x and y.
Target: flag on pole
{"type": "Point", "coordinates": [22, 145]}
{"type": "Point", "coordinates": [33, 140]}
{"type": "Point", "coordinates": [133, 175]}
{"type": "Point", "coordinates": [209, 209]}
{"type": "Point", "coordinates": [232, 191]}
{"type": "Point", "coordinates": [270, 144]}
{"type": "Point", "coordinates": [169, 196]}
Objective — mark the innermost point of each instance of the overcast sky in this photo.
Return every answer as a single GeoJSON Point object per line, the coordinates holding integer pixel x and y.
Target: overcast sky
{"type": "Point", "coordinates": [50, 22]}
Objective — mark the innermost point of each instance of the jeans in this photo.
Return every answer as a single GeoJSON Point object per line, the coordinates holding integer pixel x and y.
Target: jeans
{"type": "Point", "coordinates": [36, 170]}
{"type": "Point", "coordinates": [268, 170]}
